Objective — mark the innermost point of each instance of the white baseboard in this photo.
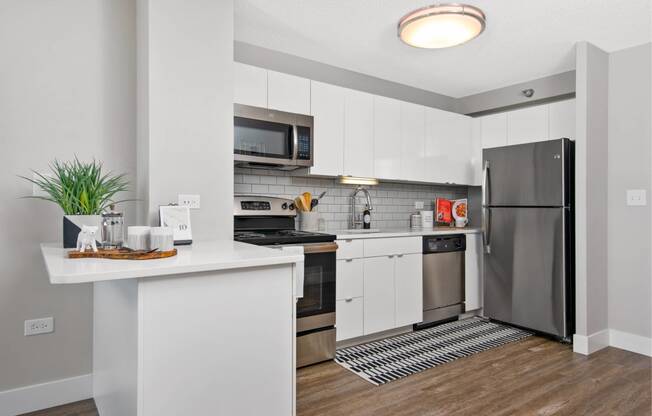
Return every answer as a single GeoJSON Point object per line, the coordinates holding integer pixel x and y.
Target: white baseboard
{"type": "Point", "coordinates": [587, 345]}
{"type": "Point", "coordinates": [41, 396]}
{"type": "Point", "coordinates": [630, 342]}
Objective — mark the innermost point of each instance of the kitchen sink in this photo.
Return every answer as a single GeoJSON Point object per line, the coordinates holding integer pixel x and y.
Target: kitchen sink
{"type": "Point", "coordinates": [362, 231]}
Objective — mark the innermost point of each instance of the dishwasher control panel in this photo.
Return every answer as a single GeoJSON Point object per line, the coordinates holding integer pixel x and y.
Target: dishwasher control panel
{"type": "Point", "coordinates": [444, 243]}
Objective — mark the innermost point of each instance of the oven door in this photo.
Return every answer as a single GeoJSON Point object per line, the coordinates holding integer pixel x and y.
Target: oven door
{"type": "Point", "coordinates": [316, 309]}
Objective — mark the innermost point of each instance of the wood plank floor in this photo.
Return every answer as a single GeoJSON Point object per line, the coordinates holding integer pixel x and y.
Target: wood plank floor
{"type": "Point", "coordinates": [531, 377]}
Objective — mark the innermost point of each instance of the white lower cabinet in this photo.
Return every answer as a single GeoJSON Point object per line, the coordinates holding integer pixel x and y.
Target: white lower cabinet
{"type": "Point", "coordinates": [379, 294]}
{"type": "Point", "coordinates": [379, 285]}
{"type": "Point", "coordinates": [473, 272]}
{"type": "Point", "coordinates": [408, 282]}
{"type": "Point", "coordinates": [349, 319]}
{"type": "Point", "coordinates": [349, 282]}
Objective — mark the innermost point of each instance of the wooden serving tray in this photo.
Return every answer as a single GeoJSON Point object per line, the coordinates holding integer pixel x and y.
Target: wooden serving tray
{"type": "Point", "coordinates": [121, 254]}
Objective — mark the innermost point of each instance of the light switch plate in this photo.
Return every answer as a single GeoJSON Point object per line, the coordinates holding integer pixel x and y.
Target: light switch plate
{"type": "Point", "coordinates": [418, 204]}
{"type": "Point", "coordinates": [191, 201]}
{"type": "Point", "coordinates": [636, 197]}
{"type": "Point", "coordinates": [36, 190]}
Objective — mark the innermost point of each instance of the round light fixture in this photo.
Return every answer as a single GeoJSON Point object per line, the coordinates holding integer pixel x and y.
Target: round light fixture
{"type": "Point", "coordinates": [441, 25]}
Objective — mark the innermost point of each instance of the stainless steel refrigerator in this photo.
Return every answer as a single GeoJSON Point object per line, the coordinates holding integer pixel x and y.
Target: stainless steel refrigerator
{"type": "Point", "coordinates": [528, 229]}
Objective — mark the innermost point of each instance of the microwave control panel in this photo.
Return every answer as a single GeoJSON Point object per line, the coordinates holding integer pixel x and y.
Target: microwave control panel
{"type": "Point", "coordinates": [303, 152]}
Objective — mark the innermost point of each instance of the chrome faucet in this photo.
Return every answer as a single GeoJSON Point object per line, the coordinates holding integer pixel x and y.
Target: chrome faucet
{"type": "Point", "coordinates": [355, 219]}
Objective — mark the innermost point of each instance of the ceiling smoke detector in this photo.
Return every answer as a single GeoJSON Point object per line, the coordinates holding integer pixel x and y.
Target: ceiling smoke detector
{"type": "Point", "coordinates": [441, 25]}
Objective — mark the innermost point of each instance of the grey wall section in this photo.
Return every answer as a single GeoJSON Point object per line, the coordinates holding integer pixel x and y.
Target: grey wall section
{"type": "Point", "coordinates": [591, 198]}
{"type": "Point", "coordinates": [629, 168]}
{"type": "Point", "coordinates": [186, 109]}
{"type": "Point", "coordinates": [547, 89]}
{"type": "Point", "coordinates": [67, 83]}
{"type": "Point", "coordinates": [295, 65]}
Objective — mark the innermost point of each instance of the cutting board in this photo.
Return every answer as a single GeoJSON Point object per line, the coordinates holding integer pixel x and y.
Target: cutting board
{"type": "Point", "coordinates": [121, 254]}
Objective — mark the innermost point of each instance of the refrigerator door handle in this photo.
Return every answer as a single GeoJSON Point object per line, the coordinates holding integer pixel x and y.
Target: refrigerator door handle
{"type": "Point", "coordinates": [486, 229]}
{"type": "Point", "coordinates": [486, 214]}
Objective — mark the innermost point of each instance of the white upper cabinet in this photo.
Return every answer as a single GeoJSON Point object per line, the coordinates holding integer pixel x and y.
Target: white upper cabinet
{"type": "Point", "coordinates": [449, 147]}
{"type": "Point", "coordinates": [494, 130]}
{"type": "Point", "coordinates": [250, 85]}
{"type": "Point", "coordinates": [461, 150]}
{"type": "Point", "coordinates": [288, 93]}
{"type": "Point", "coordinates": [476, 151]}
{"type": "Point", "coordinates": [527, 125]}
{"type": "Point", "coordinates": [327, 108]}
{"type": "Point", "coordinates": [358, 133]}
{"type": "Point", "coordinates": [562, 119]}
{"type": "Point", "coordinates": [387, 138]}
{"type": "Point", "coordinates": [437, 148]}
{"type": "Point", "coordinates": [413, 149]}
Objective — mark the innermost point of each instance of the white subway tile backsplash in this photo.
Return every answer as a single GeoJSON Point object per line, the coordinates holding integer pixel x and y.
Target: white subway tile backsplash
{"type": "Point", "coordinates": [250, 179]}
{"type": "Point", "coordinates": [268, 180]}
{"type": "Point", "coordinates": [241, 188]}
{"type": "Point", "coordinates": [260, 189]}
{"type": "Point", "coordinates": [393, 202]}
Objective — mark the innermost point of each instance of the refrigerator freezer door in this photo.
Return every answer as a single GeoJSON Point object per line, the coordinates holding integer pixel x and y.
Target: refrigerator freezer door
{"type": "Point", "coordinates": [524, 272]}
{"type": "Point", "coordinates": [529, 174]}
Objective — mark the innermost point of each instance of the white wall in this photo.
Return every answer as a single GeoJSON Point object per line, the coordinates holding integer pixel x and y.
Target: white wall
{"type": "Point", "coordinates": [67, 87]}
{"type": "Point", "coordinates": [185, 109]}
{"type": "Point", "coordinates": [629, 168]}
{"type": "Point", "coordinates": [591, 198]}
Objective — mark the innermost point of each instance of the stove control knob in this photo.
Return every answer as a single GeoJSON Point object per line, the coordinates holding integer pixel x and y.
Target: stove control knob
{"type": "Point", "coordinates": [291, 207]}
{"type": "Point", "coordinates": [284, 205]}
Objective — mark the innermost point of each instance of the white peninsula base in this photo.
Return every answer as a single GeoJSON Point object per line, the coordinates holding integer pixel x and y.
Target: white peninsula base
{"type": "Point", "coordinates": [216, 342]}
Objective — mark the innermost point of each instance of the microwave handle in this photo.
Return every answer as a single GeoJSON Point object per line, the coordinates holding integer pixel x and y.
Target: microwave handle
{"type": "Point", "coordinates": [295, 142]}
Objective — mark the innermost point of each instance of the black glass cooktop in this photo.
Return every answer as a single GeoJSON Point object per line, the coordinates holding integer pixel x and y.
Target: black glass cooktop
{"type": "Point", "coordinates": [271, 237]}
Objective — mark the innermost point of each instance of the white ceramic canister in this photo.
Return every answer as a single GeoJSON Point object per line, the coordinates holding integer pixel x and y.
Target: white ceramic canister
{"type": "Point", "coordinates": [161, 238]}
{"type": "Point", "coordinates": [309, 221]}
{"type": "Point", "coordinates": [427, 219]}
{"type": "Point", "coordinates": [138, 237]}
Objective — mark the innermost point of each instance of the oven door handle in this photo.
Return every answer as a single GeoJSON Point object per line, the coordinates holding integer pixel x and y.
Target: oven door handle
{"type": "Point", "coordinates": [320, 248]}
{"type": "Point", "coordinates": [300, 278]}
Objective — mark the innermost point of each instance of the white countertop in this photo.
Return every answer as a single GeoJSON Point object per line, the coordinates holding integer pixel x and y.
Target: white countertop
{"type": "Point", "coordinates": [199, 257]}
{"type": "Point", "coordinates": [404, 232]}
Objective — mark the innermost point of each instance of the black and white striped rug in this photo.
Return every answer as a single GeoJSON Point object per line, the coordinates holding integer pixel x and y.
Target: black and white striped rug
{"type": "Point", "coordinates": [390, 359]}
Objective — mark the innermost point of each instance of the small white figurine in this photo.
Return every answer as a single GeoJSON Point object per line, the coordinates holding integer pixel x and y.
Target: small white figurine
{"type": "Point", "coordinates": [86, 238]}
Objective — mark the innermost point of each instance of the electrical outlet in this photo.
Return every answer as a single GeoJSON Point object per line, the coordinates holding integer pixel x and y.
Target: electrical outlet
{"type": "Point", "coordinates": [39, 326]}
{"type": "Point", "coordinates": [418, 205]}
{"type": "Point", "coordinates": [189, 200]}
{"type": "Point", "coordinates": [636, 197]}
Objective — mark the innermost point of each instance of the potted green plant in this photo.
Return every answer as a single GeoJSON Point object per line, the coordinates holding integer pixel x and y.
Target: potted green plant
{"type": "Point", "coordinates": [81, 190]}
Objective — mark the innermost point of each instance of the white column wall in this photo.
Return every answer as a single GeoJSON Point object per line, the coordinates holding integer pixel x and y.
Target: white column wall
{"type": "Point", "coordinates": [185, 110]}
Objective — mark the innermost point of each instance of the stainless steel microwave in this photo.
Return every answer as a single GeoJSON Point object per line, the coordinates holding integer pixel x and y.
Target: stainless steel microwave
{"type": "Point", "coordinates": [268, 138]}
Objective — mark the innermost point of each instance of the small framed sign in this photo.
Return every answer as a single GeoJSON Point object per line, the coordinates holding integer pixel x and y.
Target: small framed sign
{"type": "Point", "coordinates": [177, 218]}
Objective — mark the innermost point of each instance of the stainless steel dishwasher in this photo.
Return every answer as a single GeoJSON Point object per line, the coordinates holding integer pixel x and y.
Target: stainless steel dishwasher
{"type": "Point", "coordinates": [443, 278]}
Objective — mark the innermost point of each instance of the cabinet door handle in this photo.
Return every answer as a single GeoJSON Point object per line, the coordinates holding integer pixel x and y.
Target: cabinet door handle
{"type": "Point", "coordinates": [348, 299]}
{"type": "Point", "coordinates": [391, 256]}
{"type": "Point", "coordinates": [399, 255]}
{"type": "Point", "coordinates": [349, 260]}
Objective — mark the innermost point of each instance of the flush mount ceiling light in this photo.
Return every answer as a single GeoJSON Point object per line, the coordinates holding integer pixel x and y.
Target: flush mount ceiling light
{"type": "Point", "coordinates": [441, 25]}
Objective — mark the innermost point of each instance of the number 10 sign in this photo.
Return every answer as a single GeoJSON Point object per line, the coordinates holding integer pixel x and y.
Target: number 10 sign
{"type": "Point", "coordinates": [177, 218]}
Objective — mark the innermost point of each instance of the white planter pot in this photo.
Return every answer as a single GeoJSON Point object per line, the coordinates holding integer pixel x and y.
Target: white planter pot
{"type": "Point", "coordinates": [72, 225]}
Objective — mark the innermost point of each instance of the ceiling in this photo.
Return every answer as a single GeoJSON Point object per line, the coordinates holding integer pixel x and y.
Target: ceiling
{"type": "Point", "coordinates": [524, 39]}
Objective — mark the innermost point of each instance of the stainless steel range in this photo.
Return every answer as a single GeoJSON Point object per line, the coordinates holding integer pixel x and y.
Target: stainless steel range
{"type": "Point", "coordinates": [269, 221]}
